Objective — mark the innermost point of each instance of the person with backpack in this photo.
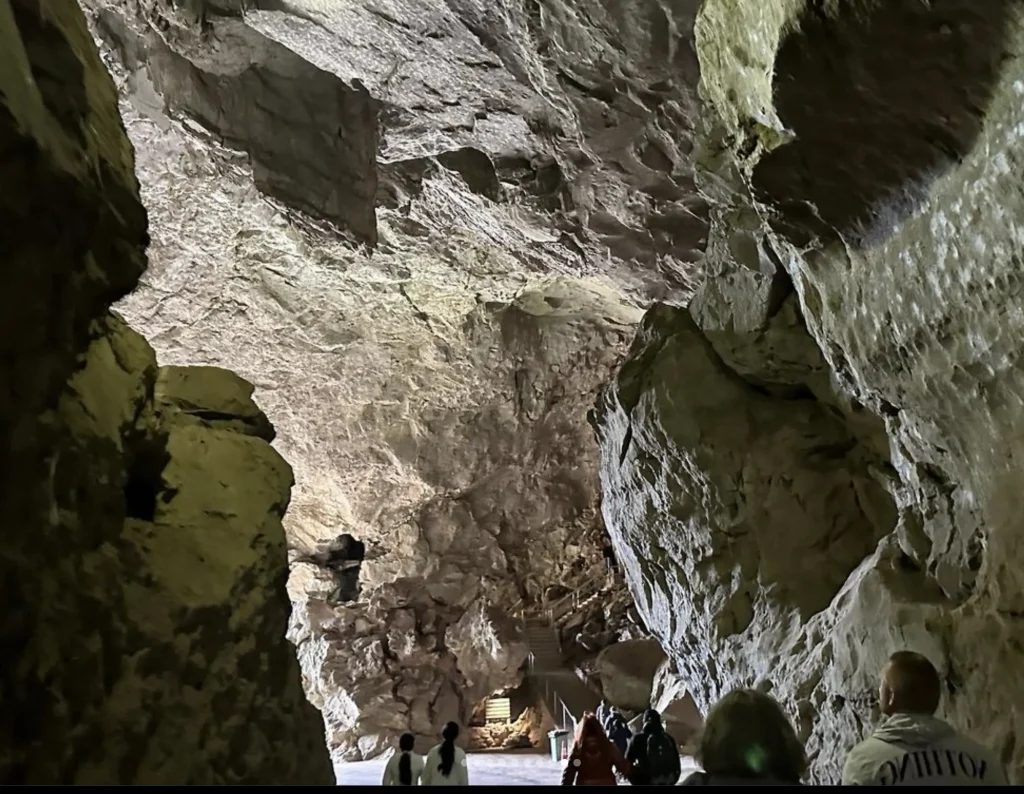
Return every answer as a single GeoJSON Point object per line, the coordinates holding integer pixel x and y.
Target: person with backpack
{"type": "Point", "coordinates": [405, 767]}
{"type": "Point", "coordinates": [618, 731]}
{"type": "Point", "coordinates": [653, 754]}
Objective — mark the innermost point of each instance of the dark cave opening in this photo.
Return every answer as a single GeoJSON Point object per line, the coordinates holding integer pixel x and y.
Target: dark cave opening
{"type": "Point", "coordinates": [897, 96]}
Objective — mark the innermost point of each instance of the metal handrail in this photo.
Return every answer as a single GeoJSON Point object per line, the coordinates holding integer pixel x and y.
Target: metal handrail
{"type": "Point", "coordinates": [560, 713]}
{"type": "Point", "coordinates": [555, 610]}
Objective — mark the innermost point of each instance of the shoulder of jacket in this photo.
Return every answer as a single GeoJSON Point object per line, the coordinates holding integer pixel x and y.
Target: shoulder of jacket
{"type": "Point", "coordinates": [978, 749]}
{"type": "Point", "coordinates": [864, 760]}
{"type": "Point", "coordinates": [857, 753]}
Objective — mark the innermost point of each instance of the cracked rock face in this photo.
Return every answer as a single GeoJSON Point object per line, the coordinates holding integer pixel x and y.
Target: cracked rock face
{"type": "Point", "coordinates": [404, 662]}
{"type": "Point", "coordinates": [143, 561]}
{"type": "Point", "coordinates": [815, 464]}
{"type": "Point", "coordinates": [577, 117]}
{"type": "Point", "coordinates": [423, 231]}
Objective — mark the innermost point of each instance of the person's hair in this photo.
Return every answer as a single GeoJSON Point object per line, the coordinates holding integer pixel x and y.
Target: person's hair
{"type": "Point", "coordinates": [652, 718]}
{"type": "Point", "coordinates": [447, 751]}
{"type": "Point", "coordinates": [914, 682]}
{"type": "Point", "coordinates": [405, 744]}
{"type": "Point", "coordinates": [747, 735]}
{"type": "Point", "coordinates": [589, 727]}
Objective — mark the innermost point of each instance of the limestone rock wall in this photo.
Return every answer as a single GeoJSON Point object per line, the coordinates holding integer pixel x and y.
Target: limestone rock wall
{"type": "Point", "coordinates": [403, 662]}
{"type": "Point", "coordinates": [817, 463]}
{"type": "Point", "coordinates": [429, 377]}
{"type": "Point", "coordinates": [142, 560]}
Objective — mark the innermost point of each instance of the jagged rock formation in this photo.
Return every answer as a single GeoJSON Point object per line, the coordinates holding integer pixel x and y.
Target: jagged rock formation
{"type": "Point", "coordinates": [670, 697]}
{"type": "Point", "coordinates": [528, 730]}
{"type": "Point", "coordinates": [427, 327]}
{"type": "Point", "coordinates": [408, 661]}
{"type": "Point", "coordinates": [574, 118]}
{"type": "Point", "coordinates": [143, 560]}
{"type": "Point", "coordinates": [818, 462]}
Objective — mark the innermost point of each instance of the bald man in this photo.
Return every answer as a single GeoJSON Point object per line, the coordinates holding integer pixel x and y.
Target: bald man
{"type": "Point", "coordinates": [913, 747]}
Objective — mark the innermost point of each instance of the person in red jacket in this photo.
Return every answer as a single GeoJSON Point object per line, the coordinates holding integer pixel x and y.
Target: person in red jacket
{"type": "Point", "coordinates": [594, 759]}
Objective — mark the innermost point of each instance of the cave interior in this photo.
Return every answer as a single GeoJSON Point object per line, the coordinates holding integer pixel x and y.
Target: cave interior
{"type": "Point", "coordinates": [374, 365]}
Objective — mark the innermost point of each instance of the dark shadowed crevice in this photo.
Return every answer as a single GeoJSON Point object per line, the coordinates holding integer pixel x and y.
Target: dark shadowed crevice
{"type": "Point", "coordinates": [895, 97]}
{"type": "Point", "coordinates": [144, 487]}
{"type": "Point", "coordinates": [56, 72]}
{"type": "Point", "coordinates": [475, 168]}
{"type": "Point", "coordinates": [312, 140]}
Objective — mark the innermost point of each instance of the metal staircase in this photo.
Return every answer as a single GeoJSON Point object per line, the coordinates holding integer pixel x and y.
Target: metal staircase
{"type": "Point", "coordinates": [567, 698]}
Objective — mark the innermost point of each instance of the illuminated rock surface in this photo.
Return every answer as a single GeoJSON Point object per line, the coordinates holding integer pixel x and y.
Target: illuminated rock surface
{"type": "Point", "coordinates": [818, 462]}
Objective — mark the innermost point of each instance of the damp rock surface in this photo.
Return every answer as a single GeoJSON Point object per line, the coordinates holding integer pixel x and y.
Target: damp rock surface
{"type": "Point", "coordinates": [143, 560]}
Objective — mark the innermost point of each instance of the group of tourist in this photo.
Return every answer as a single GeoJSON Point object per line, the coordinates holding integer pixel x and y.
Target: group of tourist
{"type": "Point", "coordinates": [444, 764]}
{"type": "Point", "coordinates": [602, 752]}
{"type": "Point", "coordinates": [748, 740]}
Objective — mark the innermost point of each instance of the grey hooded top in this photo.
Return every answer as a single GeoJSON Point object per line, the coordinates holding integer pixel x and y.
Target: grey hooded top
{"type": "Point", "coordinates": [920, 750]}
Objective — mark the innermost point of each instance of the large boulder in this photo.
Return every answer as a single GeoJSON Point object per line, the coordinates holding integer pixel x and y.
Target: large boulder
{"type": "Point", "coordinates": [626, 672]}
{"type": "Point", "coordinates": [488, 647]}
{"type": "Point", "coordinates": [143, 558]}
{"type": "Point", "coordinates": [817, 463]}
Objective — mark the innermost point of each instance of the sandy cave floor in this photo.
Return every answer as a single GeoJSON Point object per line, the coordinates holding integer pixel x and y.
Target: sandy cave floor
{"type": "Point", "coordinates": [485, 769]}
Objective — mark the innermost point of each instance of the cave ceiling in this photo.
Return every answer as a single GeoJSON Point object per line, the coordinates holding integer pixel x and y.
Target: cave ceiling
{"type": "Point", "coordinates": [426, 233]}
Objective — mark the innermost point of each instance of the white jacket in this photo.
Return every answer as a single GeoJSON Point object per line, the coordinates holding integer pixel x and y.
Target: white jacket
{"type": "Point", "coordinates": [459, 776]}
{"type": "Point", "coordinates": [917, 750]}
{"type": "Point", "coordinates": [391, 777]}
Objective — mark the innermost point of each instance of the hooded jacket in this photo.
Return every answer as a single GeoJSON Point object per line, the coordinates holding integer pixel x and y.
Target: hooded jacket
{"type": "Point", "coordinates": [641, 773]}
{"type": "Point", "coordinates": [594, 764]}
{"type": "Point", "coordinates": [920, 750]}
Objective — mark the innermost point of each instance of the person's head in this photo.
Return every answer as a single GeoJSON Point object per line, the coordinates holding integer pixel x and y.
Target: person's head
{"type": "Point", "coordinates": [909, 684]}
{"type": "Point", "coordinates": [405, 745]}
{"type": "Point", "coordinates": [447, 752]}
{"type": "Point", "coordinates": [450, 732]}
{"type": "Point", "coordinates": [589, 733]}
{"type": "Point", "coordinates": [747, 735]}
{"type": "Point", "coordinates": [651, 721]}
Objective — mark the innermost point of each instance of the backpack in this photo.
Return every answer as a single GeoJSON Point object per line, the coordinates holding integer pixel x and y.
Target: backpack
{"type": "Point", "coordinates": [618, 731]}
{"type": "Point", "coordinates": [662, 759]}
